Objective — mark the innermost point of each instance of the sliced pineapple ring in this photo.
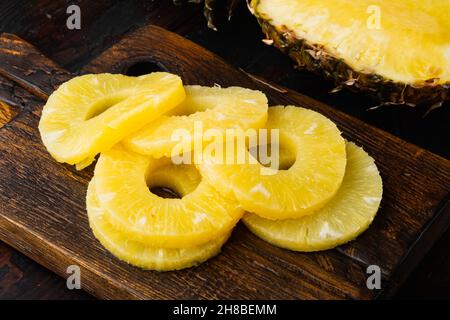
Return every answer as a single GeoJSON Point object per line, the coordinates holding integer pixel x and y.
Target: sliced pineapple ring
{"type": "Point", "coordinates": [342, 219]}
{"type": "Point", "coordinates": [212, 108]}
{"type": "Point", "coordinates": [144, 255]}
{"type": "Point", "coordinates": [307, 185]}
{"type": "Point", "coordinates": [123, 179]}
{"type": "Point", "coordinates": [91, 113]}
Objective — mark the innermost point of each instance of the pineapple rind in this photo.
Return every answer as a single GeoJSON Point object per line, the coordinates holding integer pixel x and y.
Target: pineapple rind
{"type": "Point", "coordinates": [73, 134]}
{"type": "Point", "coordinates": [307, 185]}
{"type": "Point", "coordinates": [144, 255]}
{"type": "Point", "coordinates": [195, 219]}
{"type": "Point", "coordinates": [342, 219]}
{"type": "Point", "coordinates": [406, 82]}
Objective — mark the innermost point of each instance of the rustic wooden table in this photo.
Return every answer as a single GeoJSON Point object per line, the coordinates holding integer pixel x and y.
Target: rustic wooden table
{"type": "Point", "coordinates": [43, 23]}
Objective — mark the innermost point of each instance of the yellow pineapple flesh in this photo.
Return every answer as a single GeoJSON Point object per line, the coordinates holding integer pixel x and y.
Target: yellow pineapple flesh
{"type": "Point", "coordinates": [308, 184]}
{"type": "Point", "coordinates": [395, 50]}
{"type": "Point", "coordinates": [212, 108]}
{"type": "Point", "coordinates": [343, 218]}
{"type": "Point", "coordinates": [142, 254]}
{"type": "Point", "coordinates": [91, 113]}
{"type": "Point", "coordinates": [379, 36]}
{"type": "Point", "coordinates": [122, 182]}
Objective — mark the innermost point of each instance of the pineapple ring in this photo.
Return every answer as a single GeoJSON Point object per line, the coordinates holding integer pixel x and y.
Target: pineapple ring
{"type": "Point", "coordinates": [342, 219]}
{"type": "Point", "coordinates": [122, 185]}
{"type": "Point", "coordinates": [140, 254]}
{"type": "Point", "coordinates": [91, 113]}
{"type": "Point", "coordinates": [211, 107]}
{"type": "Point", "coordinates": [307, 185]}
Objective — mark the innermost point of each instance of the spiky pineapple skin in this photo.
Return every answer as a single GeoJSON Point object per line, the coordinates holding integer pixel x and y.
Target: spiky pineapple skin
{"type": "Point", "coordinates": [316, 59]}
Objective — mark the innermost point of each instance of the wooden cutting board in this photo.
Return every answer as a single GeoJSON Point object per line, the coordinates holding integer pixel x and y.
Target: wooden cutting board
{"type": "Point", "coordinates": [42, 202]}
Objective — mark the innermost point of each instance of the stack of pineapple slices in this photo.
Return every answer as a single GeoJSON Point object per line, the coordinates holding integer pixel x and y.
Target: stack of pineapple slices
{"type": "Point", "coordinates": [325, 192]}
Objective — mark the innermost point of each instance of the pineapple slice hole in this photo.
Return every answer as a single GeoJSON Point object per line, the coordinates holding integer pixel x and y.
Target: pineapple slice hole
{"type": "Point", "coordinates": [284, 157]}
{"type": "Point", "coordinates": [173, 181]}
{"type": "Point", "coordinates": [287, 159]}
{"type": "Point", "coordinates": [103, 104]}
{"type": "Point", "coordinates": [141, 68]}
{"type": "Point", "coordinates": [165, 192]}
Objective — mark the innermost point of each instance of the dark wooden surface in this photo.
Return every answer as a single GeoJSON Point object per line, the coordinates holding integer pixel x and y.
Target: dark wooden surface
{"type": "Point", "coordinates": [239, 43]}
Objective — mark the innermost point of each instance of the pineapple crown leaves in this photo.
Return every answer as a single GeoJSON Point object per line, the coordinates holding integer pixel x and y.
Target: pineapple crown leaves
{"type": "Point", "coordinates": [211, 9]}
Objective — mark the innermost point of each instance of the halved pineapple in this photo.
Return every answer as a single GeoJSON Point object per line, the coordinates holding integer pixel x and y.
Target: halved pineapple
{"type": "Point", "coordinates": [308, 184]}
{"type": "Point", "coordinates": [144, 255]}
{"type": "Point", "coordinates": [91, 113]}
{"type": "Point", "coordinates": [122, 182]}
{"type": "Point", "coordinates": [342, 219]}
{"type": "Point", "coordinates": [212, 108]}
{"type": "Point", "coordinates": [395, 50]}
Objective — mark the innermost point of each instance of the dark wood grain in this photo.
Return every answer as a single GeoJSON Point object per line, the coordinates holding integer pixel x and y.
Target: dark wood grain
{"type": "Point", "coordinates": [20, 278]}
{"type": "Point", "coordinates": [7, 113]}
{"type": "Point", "coordinates": [102, 22]}
{"type": "Point", "coordinates": [431, 279]}
{"type": "Point", "coordinates": [53, 220]}
{"type": "Point", "coordinates": [15, 96]}
{"type": "Point", "coordinates": [26, 75]}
